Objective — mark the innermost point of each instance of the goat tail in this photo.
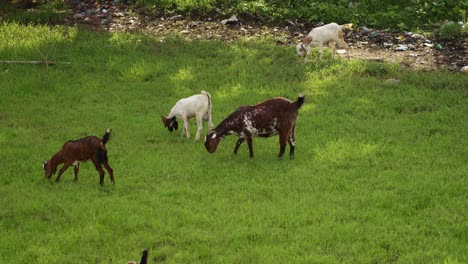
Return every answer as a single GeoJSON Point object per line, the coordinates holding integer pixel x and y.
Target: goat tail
{"type": "Point", "coordinates": [300, 101]}
{"type": "Point", "coordinates": [106, 136]}
{"type": "Point", "coordinates": [207, 95]}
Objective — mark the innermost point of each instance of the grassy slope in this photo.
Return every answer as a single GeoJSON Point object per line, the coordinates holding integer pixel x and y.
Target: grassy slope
{"type": "Point", "coordinates": [379, 174]}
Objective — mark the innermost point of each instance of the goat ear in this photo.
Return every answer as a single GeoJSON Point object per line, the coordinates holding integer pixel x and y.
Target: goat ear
{"type": "Point", "coordinates": [307, 40]}
{"type": "Point", "coordinates": [164, 120]}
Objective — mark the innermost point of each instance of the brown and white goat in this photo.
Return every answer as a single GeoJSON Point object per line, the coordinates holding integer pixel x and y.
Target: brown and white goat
{"type": "Point", "coordinates": [198, 106]}
{"type": "Point", "coordinates": [269, 118]}
{"type": "Point", "coordinates": [75, 151]}
{"type": "Point", "coordinates": [330, 33]}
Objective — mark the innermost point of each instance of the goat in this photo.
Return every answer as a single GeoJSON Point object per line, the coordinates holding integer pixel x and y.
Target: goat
{"type": "Point", "coordinates": [271, 117]}
{"type": "Point", "coordinates": [75, 151]}
{"type": "Point", "coordinates": [144, 258]}
{"type": "Point", "coordinates": [198, 106]}
{"type": "Point", "coordinates": [330, 33]}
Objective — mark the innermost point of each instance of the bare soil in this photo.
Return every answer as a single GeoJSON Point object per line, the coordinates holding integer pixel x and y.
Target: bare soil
{"type": "Point", "coordinates": [406, 48]}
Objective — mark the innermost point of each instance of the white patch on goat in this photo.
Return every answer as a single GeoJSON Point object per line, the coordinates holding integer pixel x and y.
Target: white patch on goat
{"type": "Point", "coordinates": [76, 163]}
{"type": "Point", "coordinates": [273, 124]}
{"type": "Point", "coordinates": [249, 126]}
{"type": "Point", "coordinates": [213, 136]}
{"type": "Point", "coordinates": [291, 139]}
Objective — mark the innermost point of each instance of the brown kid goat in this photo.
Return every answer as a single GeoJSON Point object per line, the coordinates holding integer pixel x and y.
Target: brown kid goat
{"type": "Point", "coordinates": [271, 117]}
{"type": "Point", "coordinates": [75, 151]}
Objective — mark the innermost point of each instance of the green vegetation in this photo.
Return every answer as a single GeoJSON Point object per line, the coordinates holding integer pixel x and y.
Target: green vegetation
{"type": "Point", "coordinates": [394, 14]}
{"type": "Point", "coordinates": [379, 174]}
{"type": "Point", "coordinates": [450, 31]}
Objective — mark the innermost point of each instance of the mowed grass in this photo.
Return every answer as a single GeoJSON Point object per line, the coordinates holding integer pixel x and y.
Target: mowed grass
{"type": "Point", "coordinates": [380, 174]}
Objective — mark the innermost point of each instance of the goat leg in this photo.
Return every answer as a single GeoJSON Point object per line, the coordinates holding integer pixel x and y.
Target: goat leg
{"type": "Point", "coordinates": [238, 143]}
{"type": "Point", "coordinates": [109, 170]}
{"type": "Point", "coordinates": [291, 149]}
{"type": "Point", "coordinates": [199, 127]}
{"type": "Point", "coordinates": [292, 143]}
{"type": "Point", "coordinates": [186, 127]}
{"type": "Point", "coordinates": [249, 143]}
{"type": "Point", "coordinates": [62, 170]}
{"type": "Point", "coordinates": [77, 168]}
{"type": "Point", "coordinates": [282, 145]}
{"type": "Point", "coordinates": [320, 51]}
{"type": "Point", "coordinates": [332, 45]}
{"type": "Point", "coordinates": [98, 166]}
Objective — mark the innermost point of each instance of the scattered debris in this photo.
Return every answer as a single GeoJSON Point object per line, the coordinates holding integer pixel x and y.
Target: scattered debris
{"type": "Point", "coordinates": [387, 45]}
{"type": "Point", "coordinates": [178, 17]}
{"type": "Point", "coordinates": [401, 47]}
{"type": "Point", "coordinates": [416, 50]}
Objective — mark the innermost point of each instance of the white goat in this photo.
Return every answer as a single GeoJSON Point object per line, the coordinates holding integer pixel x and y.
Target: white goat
{"type": "Point", "coordinates": [330, 33]}
{"type": "Point", "coordinates": [198, 106]}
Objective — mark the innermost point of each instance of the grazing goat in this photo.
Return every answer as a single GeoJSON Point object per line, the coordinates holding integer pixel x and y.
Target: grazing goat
{"type": "Point", "coordinates": [75, 151]}
{"type": "Point", "coordinates": [198, 106]}
{"type": "Point", "coordinates": [144, 258]}
{"type": "Point", "coordinates": [269, 118]}
{"type": "Point", "coordinates": [330, 33]}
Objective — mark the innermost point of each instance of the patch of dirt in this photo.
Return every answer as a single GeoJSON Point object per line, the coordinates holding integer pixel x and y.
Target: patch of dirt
{"type": "Point", "coordinates": [406, 48]}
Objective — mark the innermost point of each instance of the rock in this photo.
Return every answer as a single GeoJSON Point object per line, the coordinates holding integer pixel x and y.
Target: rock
{"type": "Point", "coordinates": [464, 70]}
{"type": "Point", "coordinates": [387, 45]}
{"type": "Point", "coordinates": [374, 34]}
{"type": "Point", "coordinates": [417, 36]}
{"type": "Point", "coordinates": [401, 47]}
{"type": "Point", "coordinates": [366, 29]}
{"type": "Point", "coordinates": [177, 17]}
{"type": "Point", "coordinates": [78, 16]}
{"type": "Point", "coordinates": [429, 45]}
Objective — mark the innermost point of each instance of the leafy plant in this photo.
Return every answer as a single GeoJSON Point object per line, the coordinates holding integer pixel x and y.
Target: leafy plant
{"type": "Point", "coordinates": [450, 31]}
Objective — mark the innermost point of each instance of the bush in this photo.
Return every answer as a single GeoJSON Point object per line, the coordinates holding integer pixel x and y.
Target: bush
{"type": "Point", "coordinates": [450, 31]}
{"type": "Point", "coordinates": [393, 14]}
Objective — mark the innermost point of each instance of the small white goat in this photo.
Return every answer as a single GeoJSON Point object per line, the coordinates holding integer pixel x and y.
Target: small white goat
{"type": "Point", "coordinates": [330, 33]}
{"type": "Point", "coordinates": [198, 106]}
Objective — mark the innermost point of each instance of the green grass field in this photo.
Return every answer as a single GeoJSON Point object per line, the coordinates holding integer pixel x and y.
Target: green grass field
{"type": "Point", "coordinates": [380, 174]}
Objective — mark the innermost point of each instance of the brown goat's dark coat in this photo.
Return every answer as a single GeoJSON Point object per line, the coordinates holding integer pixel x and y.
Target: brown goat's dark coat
{"type": "Point", "coordinates": [75, 151]}
{"type": "Point", "coordinates": [272, 117]}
